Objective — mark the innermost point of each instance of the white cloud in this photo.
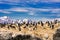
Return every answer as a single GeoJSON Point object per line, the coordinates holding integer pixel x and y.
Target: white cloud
{"type": "Point", "coordinates": [53, 0]}
{"type": "Point", "coordinates": [18, 10]}
{"type": "Point", "coordinates": [4, 11]}
{"type": "Point", "coordinates": [47, 19]}
{"type": "Point", "coordinates": [17, 2]}
{"type": "Point", "coordinates": [52, 10]}
{"type": "Point", "coordinates": [10, 1]}
{"type": "Point", "coordinates": [44, 10]}
{"type": "Point", "coordinates": [55, 11]}
{"type": "Point", "coordinates": [58, 19]}
{"type": "Point", "coordinates": [31, 13]}
{"type": "Point", "coordinates": [4, 18]}
{"type": "Point", "coordinates": [46, 0]}
{"type": "Point", "coordinates": [58, 15]}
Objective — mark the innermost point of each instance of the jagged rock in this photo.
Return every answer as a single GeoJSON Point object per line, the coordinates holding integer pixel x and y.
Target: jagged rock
{"type": "Point", "coordinates": [4, 35]}
{"type": "Point", "coordinates": [45, 36]}
{"type": "Point", "coordinates": [25, 37]}
{"type": "Point", "coordinates": [56, 36]}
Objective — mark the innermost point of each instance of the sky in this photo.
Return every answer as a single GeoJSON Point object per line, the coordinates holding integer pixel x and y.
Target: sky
{"type": "Point", "coordinates": [30, 9]}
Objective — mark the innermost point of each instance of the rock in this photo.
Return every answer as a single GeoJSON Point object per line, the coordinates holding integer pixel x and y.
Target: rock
{"type": "Point", "coordinates": [45, 36]}
{"type": "Point", "coordinates": [56, 36]}
{"type": "Point", "coordinates": [4, 35]}
{"type": "Point", "coordinates": [25, 37]}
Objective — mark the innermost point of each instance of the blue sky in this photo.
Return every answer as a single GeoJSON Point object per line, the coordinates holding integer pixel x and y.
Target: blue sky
{"type": "Point", "coordinates": [30, 9]}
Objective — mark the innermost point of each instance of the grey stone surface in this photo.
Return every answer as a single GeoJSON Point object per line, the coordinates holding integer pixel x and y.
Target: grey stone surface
{"type": "Point", "coordinates": [4, 35]}
{"type": "Point", "coordinates": [25, 37]}
{"type": "Point", "coordinates": [56, 36]}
